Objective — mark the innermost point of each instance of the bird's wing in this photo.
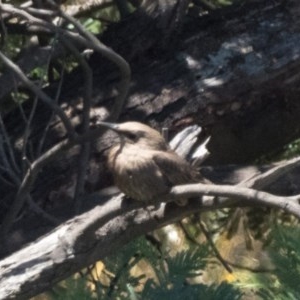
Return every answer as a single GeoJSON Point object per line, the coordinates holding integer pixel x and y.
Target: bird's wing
{"type": "Point", "coordinates": [175, 169]}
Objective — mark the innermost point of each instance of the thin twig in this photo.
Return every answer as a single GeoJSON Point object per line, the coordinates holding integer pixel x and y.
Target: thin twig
{"type": "Point", "coordinates": [41, 13]}
{"type": "Point", "coordinates": [4, 179]}
{"type": "Point", "coordinates": [35, 103]}
{"type": "Point", "coordinates": [210, 241]}
{"type": "Point", "coordinates": [265, 179]}
{"type": "Point", "coordinates": [94, 43]}
{"type": "Point", "coordinates": [44, 97]}
{"type": "Point", "coordinates": [27, 131]}
{"type": "Point", "coordinates": [9, 147]}
{"type": "Point", "coordinates": [85, 147]}
{"type": "Point", "coordinates": [39, 211]}
{"type": "Point", "coordinates": [46, 130]}
{"type": "Point", "coordinates": [6, 165]}
{"type": "Point", "coordinates": [4, 31]}
{"type": "Point", "coordinates": [6, 168]}
{"type": "Point", "coordinates": [26, 184]}
{"type": "Point", "coordinates": [31, 174]}
{"type": "Point", "coordinates": [89, 41]}
{"type": "Point", "coordinates": [213, 246]}
{"type": "Point", "coordinates": [261, 182]}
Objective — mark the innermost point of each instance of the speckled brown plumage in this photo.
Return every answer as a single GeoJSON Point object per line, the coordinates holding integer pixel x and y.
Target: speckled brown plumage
{"type": "Point", "coordinates": [143, 165]}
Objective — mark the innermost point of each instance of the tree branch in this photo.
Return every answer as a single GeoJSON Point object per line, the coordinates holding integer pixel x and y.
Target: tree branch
{"type": "Point", "coordinates": [87, 103]}
{"type": "Point", "coordinates": [32, 172]}
{"type": "Point", "coordinates": [124, 68]}
{"type": "Point", "coordinates": [89, 41]}
{"type": "Point", "coordinates": [262, 181]}
{"type": "Point", "coordinates": [44, 97]}
{"type": "Point", "coordinates": [93, 235]}
{"type": "Point", "coordinates": [247, 196]}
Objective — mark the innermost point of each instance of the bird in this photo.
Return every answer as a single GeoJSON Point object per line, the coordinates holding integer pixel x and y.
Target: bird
{"type": "Point", "coordinates": [143, 165]}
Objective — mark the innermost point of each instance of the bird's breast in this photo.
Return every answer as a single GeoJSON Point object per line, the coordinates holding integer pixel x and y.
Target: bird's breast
{"type": "Point", "coordinates": [136, 174]}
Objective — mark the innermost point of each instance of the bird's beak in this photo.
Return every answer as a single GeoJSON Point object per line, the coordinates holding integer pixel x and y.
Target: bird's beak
{"type": "Point", "coordinates": [112, 126]}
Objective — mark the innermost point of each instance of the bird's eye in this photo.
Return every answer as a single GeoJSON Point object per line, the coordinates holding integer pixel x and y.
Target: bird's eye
{"type": "Point", "coordinates": [131, 136]}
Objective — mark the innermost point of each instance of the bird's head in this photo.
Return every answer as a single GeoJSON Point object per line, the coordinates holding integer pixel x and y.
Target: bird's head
{"type": "Point", "coordinates": [138, 134]}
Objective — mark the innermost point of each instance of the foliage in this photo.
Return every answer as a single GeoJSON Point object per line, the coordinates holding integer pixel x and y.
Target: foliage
{"type": "Point", "coordinates": [286, 152]}
{"type": "Point", "coordinates": [72, 289]}
{"type": "Point", "coordinates": [13, 44]}
{"type": "Point", "coordinates": [285, 254]}
{"type": "Point", "coordinates": [172, 274]}
{"type": "Point", "coordinates": [170, 278]}
{"type": "Point", "coordinates": [291, 150]}
{"type": "Point", "coordinates": [223, 291]}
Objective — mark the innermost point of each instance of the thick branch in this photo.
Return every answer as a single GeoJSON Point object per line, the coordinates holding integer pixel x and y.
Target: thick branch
{"type": "Point", "coordinates": [101, 231]}
{"type": "Point", "coordinates": [246, 196]}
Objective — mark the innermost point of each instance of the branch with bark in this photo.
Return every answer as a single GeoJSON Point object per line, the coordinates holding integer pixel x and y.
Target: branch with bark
{"type": "Point", "coordinates": [81, 241]}
{"type": "Point", "coordinates": [103, 230]}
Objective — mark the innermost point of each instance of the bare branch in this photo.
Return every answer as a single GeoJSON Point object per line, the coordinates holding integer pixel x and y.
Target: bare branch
{"type": "Point", "coordinates": [246, 196]}
{"type": "Point", "coordinates": [39, 12]}
{"type": "Point", "coordinates": [27, 131]}
{"type": "Point", "coordinates": [94, 43]}
{"type": "Point", "coordinates": [39, 211]}
{"type": "Point", "coordinates": [31, 174]}
{"type": "Point", "coordinates": [4, 179]}
{"type": "Point", "coordinates": [89, 41]}
{"type": "Point", "coordinates": [44, 97]}
{"type": "Point", "coordinates": [263, 180]}
{"type": "Point", "coordinates": [4, 30]}
{"type": "Point", "coordinates": [85, 147]}
{"type": "Point", "coordinates": [213, 246]}
{"type": "Point", "coordinates": [45, 132]}
{"type": "Point", "coordinates": [11, 160]}
{"type": "Point", "coordinates": [101, 231]}
{"type": "Point", "coordinates": [26, 184]}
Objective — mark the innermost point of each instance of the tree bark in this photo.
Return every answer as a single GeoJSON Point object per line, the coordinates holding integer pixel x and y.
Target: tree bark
{"type": "Point", "coordinates": [101, 231]}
